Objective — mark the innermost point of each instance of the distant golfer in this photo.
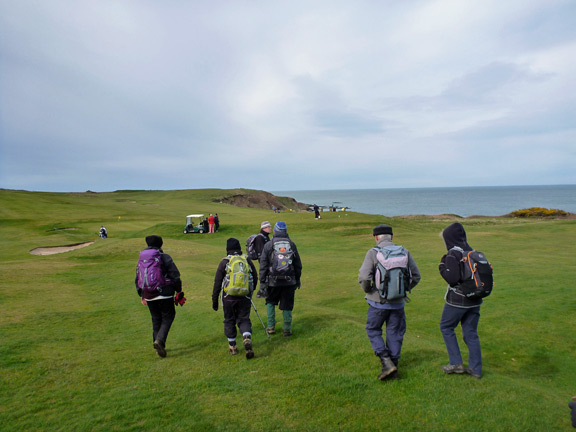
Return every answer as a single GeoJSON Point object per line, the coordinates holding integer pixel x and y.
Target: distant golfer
{"type": "Point", "coordinates": [157, 279]}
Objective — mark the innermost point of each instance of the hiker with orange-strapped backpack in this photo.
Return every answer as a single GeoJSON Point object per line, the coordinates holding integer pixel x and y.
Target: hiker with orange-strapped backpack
{"type": "Point", "coordinates": [469, 277]}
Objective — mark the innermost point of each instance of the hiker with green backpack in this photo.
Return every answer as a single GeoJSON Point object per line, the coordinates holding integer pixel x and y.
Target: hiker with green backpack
{"type": "Point", "coordinates": [387, 274]}
{"type": "Point", "coordinates": [236, 278]}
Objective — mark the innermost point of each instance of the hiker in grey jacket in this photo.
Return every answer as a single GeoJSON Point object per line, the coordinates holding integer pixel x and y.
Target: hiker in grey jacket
{"type": "Point", "coordinates": [382, 311]}
{"type": "Point", "coordinates": [458, 308]}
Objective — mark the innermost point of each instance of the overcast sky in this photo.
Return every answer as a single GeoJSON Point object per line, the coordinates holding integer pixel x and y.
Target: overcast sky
{"type": "Point", "coordinates": [286, 95]}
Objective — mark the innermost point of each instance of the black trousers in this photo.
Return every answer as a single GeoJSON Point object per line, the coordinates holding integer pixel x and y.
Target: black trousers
{"type": "Point", "coordinates": [163, 313]}
{"type": "Point", "coordinates": [283, 295]}
{"type": "Point", "coordinates": [236, 312]}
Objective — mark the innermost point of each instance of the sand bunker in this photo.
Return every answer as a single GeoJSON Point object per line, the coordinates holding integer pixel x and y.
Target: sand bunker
{"type": "Point", "coordinates": [51, 250]}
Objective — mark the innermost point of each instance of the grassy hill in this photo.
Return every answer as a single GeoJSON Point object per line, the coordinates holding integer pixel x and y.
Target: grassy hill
{"type": "Point", "coordinates": [76, 350]}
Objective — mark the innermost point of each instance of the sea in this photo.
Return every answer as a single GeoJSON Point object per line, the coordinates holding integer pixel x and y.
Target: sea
{"type": "Point", "coordinates": [461, 201]}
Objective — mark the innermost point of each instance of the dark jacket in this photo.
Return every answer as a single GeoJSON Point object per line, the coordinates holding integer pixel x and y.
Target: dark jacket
{"type": "Point", "coordinates": [451, 266]}
{"type": "Point", "coordinates": [266, 262]}
{"type": "Point", "coordinates": [260, 241]}
{"type": "Point", "coordinates": [221, 274]}
{"type": "Point", "coordinates": [170, 272]}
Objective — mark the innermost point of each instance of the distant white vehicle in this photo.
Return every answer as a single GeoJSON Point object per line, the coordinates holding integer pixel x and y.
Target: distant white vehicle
{"type": "Point", "coordinates": [194, 224]}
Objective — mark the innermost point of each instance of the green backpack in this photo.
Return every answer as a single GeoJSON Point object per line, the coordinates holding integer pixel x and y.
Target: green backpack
{"type": "Point", "coordinates": [238, 281]}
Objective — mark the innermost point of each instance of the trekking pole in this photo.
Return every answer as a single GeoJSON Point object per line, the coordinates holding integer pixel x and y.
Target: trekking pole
{"type": "Point", "coordinates": [256, 310]}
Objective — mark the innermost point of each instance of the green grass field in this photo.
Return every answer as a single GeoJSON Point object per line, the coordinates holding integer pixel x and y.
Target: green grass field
{"type": "Point", "coordinates": [76, 351]}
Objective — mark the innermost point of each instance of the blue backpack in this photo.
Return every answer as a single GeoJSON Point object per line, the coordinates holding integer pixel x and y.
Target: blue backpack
{"type": "Point", "coordinates": [149, 270]}
{"type": "Point", "coordinates": [392, 276]}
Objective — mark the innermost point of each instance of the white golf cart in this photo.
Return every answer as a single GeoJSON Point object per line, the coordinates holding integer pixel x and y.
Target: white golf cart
{"type": "Point", "coordinates": [194, 224]}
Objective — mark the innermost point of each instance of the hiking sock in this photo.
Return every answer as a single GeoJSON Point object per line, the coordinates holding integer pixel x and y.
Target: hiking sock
{"type": "Point", "coordinates": [287, 315]}
{"type": "Point", "coordinates": [271, 314]}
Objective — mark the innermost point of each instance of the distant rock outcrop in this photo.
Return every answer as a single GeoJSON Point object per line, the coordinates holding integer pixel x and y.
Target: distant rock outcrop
{"type": "Point", "coordinates": [260, 199]}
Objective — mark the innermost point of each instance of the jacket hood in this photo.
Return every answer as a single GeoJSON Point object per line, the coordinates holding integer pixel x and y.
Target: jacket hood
{"type": "Point", "coordinates": [455, 235]}
{"type": "Point", "coordinates": [232, 246]}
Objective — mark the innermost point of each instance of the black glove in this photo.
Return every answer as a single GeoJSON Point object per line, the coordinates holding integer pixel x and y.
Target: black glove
{"type": "Point", "coordinates": [215, 304]}
{"type": "Point", "coordinates": [298, 285]}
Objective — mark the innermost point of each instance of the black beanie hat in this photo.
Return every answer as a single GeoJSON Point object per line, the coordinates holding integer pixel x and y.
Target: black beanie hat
{"type": "Point", "coordinates": [233, 245]}
{"type": "Point", "coordinates": [382, 229]}
{"type": "Point", "coordinates": [154, 241]}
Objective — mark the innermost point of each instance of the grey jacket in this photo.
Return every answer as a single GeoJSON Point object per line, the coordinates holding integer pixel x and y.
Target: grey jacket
{"type": "Point", "coordinates": [367, 270]}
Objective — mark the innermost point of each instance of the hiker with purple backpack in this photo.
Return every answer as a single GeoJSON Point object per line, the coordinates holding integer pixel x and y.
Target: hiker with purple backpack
{"type": "Point", "coordinates": [157, 280]}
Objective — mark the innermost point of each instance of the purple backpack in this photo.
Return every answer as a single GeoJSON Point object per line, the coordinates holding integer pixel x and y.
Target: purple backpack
{"type": "Point", "coordinates": [149, 270]}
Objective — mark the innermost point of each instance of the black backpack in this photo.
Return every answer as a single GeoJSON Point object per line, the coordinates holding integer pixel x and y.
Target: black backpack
{"type": "Point", "coordinates": [477, 278]}
{"type": "Point", "coordinates": [250, 246]}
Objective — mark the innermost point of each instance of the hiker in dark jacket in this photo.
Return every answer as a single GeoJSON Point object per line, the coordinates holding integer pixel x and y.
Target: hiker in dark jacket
{"type": "Point", "coordinates": [279, 288]}
{"type": "Point", "coordinates": [382, 311]}
{"type": "Point", "coordinates": [161, 302]}
{"type": "Point", "coordinates": [236, 309]}
{"type": "Point", "coordinates": [572, 405]}
{"type": "Point", "coordinates": [262, 238]}
{"type": "Point", "coordinates": [459, 309]}
{"type": "Point", "coordinates": [260, 241]}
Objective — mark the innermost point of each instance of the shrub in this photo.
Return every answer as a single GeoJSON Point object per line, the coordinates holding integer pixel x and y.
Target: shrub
{"type": "Point", "coordinates": [538, 212]}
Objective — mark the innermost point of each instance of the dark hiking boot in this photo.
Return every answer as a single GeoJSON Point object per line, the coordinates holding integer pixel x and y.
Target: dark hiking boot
{"type": "Point", "coordinates": [393, 376]}
{"type": "Point", "coordinates": [388, 368]}
{"type": "Point", "coordinates": [271, 330]}
{"type": "Point", "coordinates": [473, 374]}
{"type": "Point", "coordinates": [453, 369]}
{"type": "Point", "coordinates": [159, 347]}
{"type": "Point", "coordinates": [232, 349]}
{"type": "Point", "coordinates": [248, 347]}
{"type": "Point", "coordinates": [287, 333]}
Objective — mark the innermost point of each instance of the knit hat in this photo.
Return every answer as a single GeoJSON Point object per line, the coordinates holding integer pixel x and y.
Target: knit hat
{"type": "Point", "coordinates": [154, 241]}
{"type": "Point", "coordinates": [233, 245]}
{"type": "Point", "coordinates": [382, 229]}
{"type": "Point", "coordinates": [280, 227]}
{"type": "Point", "coordinates": [265, 224]}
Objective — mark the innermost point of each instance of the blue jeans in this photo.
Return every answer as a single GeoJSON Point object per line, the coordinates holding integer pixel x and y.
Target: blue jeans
{"type": "Point", "coordinates": [468, 318]}
{"type": "Point", "coordinates": [395, 320]}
